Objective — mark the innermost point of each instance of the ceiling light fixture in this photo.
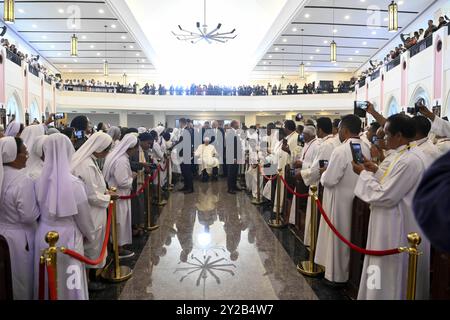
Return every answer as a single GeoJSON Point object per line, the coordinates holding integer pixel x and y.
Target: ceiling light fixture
{"type": "Point", "coordinates": [105, 63]}
{"type": "Point", "coordinates": [8, 13]}
{"type": "Point", "coordinates": [393, 17]}
{"type": "Point", "coordinates": [333, 45]}
{"type": "Point", "coordinates": [74, 46]}
{"type": "Point", "coordinates": [302, 65]}
{"type": "Point", "coordinates": [203, 33]}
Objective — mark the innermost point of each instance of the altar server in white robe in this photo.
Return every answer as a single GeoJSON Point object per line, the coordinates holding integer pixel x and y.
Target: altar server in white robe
{"type": "Point", "coordinates": [207, 157]}
{"type": "Point", "coordinates": [118, 174]}
{"type": "Point", "coordinates": [65, 209]}
{"type": "Point", "coordinates": [84, 166]}
{"type": "Point", "coordinates": [339, 182]}
{"type": "Point", "coordinates": [307, 157]}
{"type": "Point", "coordinates": [277, 160]}
{"type": "Point", "coordinates": [311, 176]}
{"type": "Point", "coordinates": [423, 128]}
{"type": "Point", "coordinates": [18, 215]}
{"type": "Point", "coordinates": [392, 217]}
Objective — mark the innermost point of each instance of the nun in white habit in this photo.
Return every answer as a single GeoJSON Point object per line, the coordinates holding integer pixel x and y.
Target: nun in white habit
{"type": "Point", "coordinates": [114, 133]}
{"type": "Point", "coordinates": [85, 167]}
{"type": "Point", "coordinates": [31, 137]}
{"type": "Point", "coordinates": [118, 174]}
{"type": "Point", "coordinates": [65, 209]}
{"type": "Point", "coordinates": [13, 129]}
{"type": "Point", "coordinates": [18, 215]}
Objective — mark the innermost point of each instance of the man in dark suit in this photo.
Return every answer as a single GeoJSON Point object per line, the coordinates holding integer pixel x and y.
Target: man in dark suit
{"type": "Point", "coordinates": [187, 156]}
{"type": "Point", "coordinates": [234, 156]}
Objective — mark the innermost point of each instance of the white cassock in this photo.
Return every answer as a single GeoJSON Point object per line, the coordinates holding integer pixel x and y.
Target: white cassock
{"type": "Point", "coordinates": [18, 215]}
{"type": "Point", "coordinates": [251, 176]}
{"type": "Point", "coordinates": [122, 179]}
{"type": "Point", "coordinates": [440, 127]}
{"type": "Point", "coordinates": [443, 145]}
{"type": "Point", "coordinates": [207, 158]}
{"type": "Point", "coordinates": [339, 182]}
{"type": "Point", "coordinates": [94, 181]}
{"type": "Point", "coordinates": [429, 149]}
{"type": "Point", "coordinates": [391, 220]}
{"type": "Point", "coordinates": [157, 154]}
{"type": "Point", "coordinates": [311, 175]}
{"type": "Point", "coordinates": [72, 231]}
{"type": "Point", "coordinates": [274, 160]}
{"type": "Point", "coordinates": [292, 141]}
{"type": "Point", "coordinates": [309, 153]}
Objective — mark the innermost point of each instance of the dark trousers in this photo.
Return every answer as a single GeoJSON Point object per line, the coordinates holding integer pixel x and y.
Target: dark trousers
{"type": "Point", "coordinates": [232, 170]}
{"type": "Point", "coordinates": [186, 171]}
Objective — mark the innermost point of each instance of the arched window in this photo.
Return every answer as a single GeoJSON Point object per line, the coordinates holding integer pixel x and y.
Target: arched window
{"type": "Point", "coordinates": [34, 112]}
{"type": "Point", "coordinates": [13, 110]}
{"type": "Point", "coordinates": [421, 94]}
{"type": "Point", "coordinates": [393, 107]}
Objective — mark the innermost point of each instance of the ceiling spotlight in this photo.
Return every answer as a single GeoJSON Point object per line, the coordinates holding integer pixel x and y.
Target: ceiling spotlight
{"type": "Point", "coordinates": [101, 11]}
{"type": "Point", "coordinates": [307, 15]}
{"type": "Point", "coordinates": [61, 11]}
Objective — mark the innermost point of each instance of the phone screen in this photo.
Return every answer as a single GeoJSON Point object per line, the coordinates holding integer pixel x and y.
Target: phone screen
{"type": "Point", "coordinates": [59, 116]}
{"type": "Point", "coordinates": [361, 105]}
{"type": "Point", "coordinates": [79, 134]}
{"type": "Point", "coordinates": [357, 152]}
{"type": "Point", "coordinates": [323, 163]}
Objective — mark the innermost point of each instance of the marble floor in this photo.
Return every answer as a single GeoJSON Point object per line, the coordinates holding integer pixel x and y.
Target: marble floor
{"type": "Point", "coordinates": [215, 246]}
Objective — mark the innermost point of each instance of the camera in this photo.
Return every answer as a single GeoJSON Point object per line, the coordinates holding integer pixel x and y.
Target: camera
{"type": "Point", "coordinates": [360, 108]}
{"type": "Point", "coordinates": [79, 135]}
{"type": "Point", "coordinates": [60, 116]}
{"type": "Point", "coordinates": [323, 163]}
{"type": "Point", "coordinates": [416, 109]}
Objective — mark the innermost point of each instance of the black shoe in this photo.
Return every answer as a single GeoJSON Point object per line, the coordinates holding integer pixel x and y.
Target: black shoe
{"type": "Point", "coordinates": [215, 178]}
{"type": "Point", "coordinates": [231, 192]}
{"type": "Point", "coordinates": [125, 254]}
{"type": "Point", "coordinates": [96, 286]}
{"type": "Point", "coordinates": [238, 189]}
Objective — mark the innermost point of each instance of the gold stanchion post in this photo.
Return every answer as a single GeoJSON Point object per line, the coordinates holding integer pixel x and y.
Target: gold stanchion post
{"type": "Point", "coordinates": [169, 174]}
{"type": "Point", "coordinates": [50, 254]}
{"type": "Point", "coordinates": [160, 202]}
{"type": "Point", "coordinates": [258, 201]}
{"type": "Point", "coordinates": [277, 222]}
{"type": "Point", "coordinates": [309, 268]}
{"type": "Point", "coordinates": [414, 241]}
{"type": "Point", "coordinates": [115, 272]}
{"type": "Point", "coordinates": [149, 226]}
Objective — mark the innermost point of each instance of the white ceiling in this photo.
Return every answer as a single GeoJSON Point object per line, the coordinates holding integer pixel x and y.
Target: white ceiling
{"type": "Point", "coordinates": [48, 27]}
{"type": "Point", "coordinates": [266, 46]}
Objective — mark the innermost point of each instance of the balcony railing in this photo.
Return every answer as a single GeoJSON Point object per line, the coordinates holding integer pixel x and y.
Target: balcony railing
{"type": "Point", "coordinates": [375, 75]}
{"type": "Point", "coordinates": [392, 64]}
{"type": "Point", "coordinates": [13, 57]}
{"type": "Point", "coordinates": [421, 46]}
{"type": "Point", "coordinates": [33, 70]}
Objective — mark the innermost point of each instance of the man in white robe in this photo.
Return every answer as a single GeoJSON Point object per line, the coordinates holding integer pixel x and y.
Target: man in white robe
{"type": "Point", "coordinates": [392, 217]}
{"type": "Point", "coordinates": [118, 174]}
{"type": "Point", "coordinates": [207, 159]}
{"type": "Point", "coordinates": [339, 181]}
{"type": "Point", "coordinates": [307, 157]}
{"type": "Point", "coordinates": [423, 128]}
{"type": "Point", "coordinates": [311, 175]}
{"type": "Point", "coordinates": [18, 215]}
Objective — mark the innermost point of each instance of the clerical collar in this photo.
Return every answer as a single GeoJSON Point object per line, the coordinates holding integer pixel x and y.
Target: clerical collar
{"type": "Point", "coordinates": [421, 141]}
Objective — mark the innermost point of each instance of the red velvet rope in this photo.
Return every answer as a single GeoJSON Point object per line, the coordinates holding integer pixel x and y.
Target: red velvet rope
{"type": "Point", "coordinates": [142, 189]}
{"type": "Point", "coordinates": [81, 258]}
{"type": "Point", "coordinates": [378, 253]}
{"type": "Point", "coordinates": [292, 191]}
{"type": "Point", "coordinates": [266, 177]}
{"type": "Point", "coordinates": [41, 281]}
{"type": "Point", "coordinates": [52, 292]}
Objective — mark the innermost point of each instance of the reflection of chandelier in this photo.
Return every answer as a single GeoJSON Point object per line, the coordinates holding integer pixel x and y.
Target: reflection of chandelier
{"type": "Point", "coordinates": [203, 33]}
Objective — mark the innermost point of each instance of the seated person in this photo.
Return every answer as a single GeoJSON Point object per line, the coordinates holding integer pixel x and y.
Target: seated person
{"type": "Point", "coordinates": [208, 160]}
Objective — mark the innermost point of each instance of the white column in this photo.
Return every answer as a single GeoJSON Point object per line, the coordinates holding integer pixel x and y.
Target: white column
{"type": "Point", "coordinates": [250, 119]}
{"type": "Point", "coordinates": [123, 118]}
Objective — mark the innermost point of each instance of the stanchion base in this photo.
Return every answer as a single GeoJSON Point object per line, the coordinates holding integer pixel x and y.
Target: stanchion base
{"type": "Point", "coordinates": [310, 269]}
{"type": "Point", "coordinates": [257, 202]}
{"type": "Point", "coordinates": [152, 228]}
{"type": "Point", "coordinates": [276, 224]}
{"type": "Point", "coordinates": [109, 274]}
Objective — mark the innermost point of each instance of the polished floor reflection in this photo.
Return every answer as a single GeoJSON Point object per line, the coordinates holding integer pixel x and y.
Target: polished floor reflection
{"type": "Point", "coordinates": [214, 246]}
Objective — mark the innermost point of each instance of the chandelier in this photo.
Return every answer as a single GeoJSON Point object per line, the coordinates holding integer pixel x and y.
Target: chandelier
{"type": "Point", "coordinates": [202, 32]}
